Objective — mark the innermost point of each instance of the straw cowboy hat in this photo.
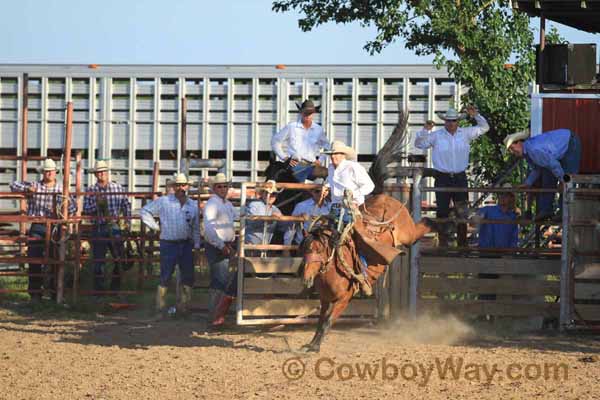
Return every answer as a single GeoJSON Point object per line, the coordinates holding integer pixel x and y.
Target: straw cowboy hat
{"type": "Point", "coordinates": [218, 178]}
{"type": "Point", "coordinates": [451, 115]}
{"type": "Point", "coordinates": [339, 147]}
{"type": "Point", "coordinates": [515, 137]}
{"type": "Point", "coordinates": [308, 107]}
{"type": "Point", "coordinates": [269, 186]}
{"type": "Point", "coordinates": [47, 165]}
{"type": "Point", "coordinates": [101, 165]}
{"type": "Point", "coordinates": [181, 179]}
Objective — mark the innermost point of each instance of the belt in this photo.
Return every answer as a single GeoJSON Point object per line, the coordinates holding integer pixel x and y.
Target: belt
{"type": "Point", "coordinates": [451, 174]}
{"type": "Point", "coordinates": [178, 241]}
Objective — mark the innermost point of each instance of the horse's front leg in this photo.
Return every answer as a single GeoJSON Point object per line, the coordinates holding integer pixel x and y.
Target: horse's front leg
{"type": "Point", "coordinates": [336, 310]}
{"type": "Point", "coordinates": [323, 316]}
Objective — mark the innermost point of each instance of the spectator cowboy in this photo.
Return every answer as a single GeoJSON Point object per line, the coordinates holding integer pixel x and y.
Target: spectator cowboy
{"type": "Point", "coordinates": [179, 234]}
{"type": "Point", "coordinates": [261, 232]}
{"type": "Point", "coordinates": [298, 145]}
{"type": "Point", "coordinates": [550, 156]}
{"type": "Point", "coordinates": [219, 216]}
{"type": "Point", "coordinates": [45, 199]}
{"type": "Point", "coordinates": [317, 205]}
{"type": "Point", "coordinates": [105, 202]}
{"type": "Point", "coordinates": [451, 146]}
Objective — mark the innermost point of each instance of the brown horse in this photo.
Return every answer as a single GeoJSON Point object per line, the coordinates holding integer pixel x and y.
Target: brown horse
{"type": "Point", "coordinates": [329, 263]}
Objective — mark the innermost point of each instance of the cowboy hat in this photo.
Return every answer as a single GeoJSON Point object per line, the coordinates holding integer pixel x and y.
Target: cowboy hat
{"type": "Point", "coordinates": [339, 147]}
{"type": "Point", "coordinates": [308, 107]}
{"type": "Point", "coordinates": [451, 115]}
{"type": "Point", "coordinates": [218, 178]}
{"type": "Point", "coordinates": [48, 165]}
{"type": "Point", "coordinates": [515, 137]}
{"type": "Point", "coordinates": [180, 179]}
{"type": "Point", "coordinates": [100, 165]}
{"type": "Point", "coordinates": [269, 186]}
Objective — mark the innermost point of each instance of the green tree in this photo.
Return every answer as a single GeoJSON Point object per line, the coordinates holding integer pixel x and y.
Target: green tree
{"type": "Point", "coordinates": [490, 47]}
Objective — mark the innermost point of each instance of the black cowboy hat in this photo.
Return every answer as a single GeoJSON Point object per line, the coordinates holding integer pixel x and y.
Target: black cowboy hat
{"type": "Point", "coordinates": [308, 107]}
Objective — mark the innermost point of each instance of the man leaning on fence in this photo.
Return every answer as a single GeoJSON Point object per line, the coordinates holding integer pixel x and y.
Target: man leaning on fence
{"type": "Point", "coordinates": [104, 202]}
{"type": "Point", "coordinates": [44, 200]}
{"type": "Point", "coordinates": [261, 232]}
{"type": "Point", "coordinates": [550, 156]}
{"type": "Point", "coordinates": [451, 146]}
{"type": "Point", "coordinates": [179, 235]}
{"type": "Point", "coordinates": [219, 233]}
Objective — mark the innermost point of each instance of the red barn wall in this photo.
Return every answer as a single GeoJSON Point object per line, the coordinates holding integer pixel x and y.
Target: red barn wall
{"type": "Point", "coordinates": [582, 116]}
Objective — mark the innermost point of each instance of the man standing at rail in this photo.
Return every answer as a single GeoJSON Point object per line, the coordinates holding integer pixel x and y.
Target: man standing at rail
{"type": "Point", "coordinates": [261, 232]}
{"type": "Point", "coordinates": [45, 201]}
{"type": "Point", "coordinates": [298, 145]}
{"type": "Point", "coordinates": [451, 146]}
{"type": "Point", "coordinates": [317, 205]}
{"type": "Point", "coordinates": [551, 156]}
{"type": "Point", "coordinates": [104, 201]}
{"type": "Point", "coordinates": [219, 216]}
{"type": "Point", "coordinates": [179, 235]}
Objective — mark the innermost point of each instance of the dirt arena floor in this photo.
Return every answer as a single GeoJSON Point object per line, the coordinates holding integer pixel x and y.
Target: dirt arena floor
{"type": "Point", "coordinates": [121, 356]}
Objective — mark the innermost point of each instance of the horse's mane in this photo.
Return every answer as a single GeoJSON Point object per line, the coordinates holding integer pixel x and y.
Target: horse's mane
{"type": "Point", "coordinates": [392, 150]}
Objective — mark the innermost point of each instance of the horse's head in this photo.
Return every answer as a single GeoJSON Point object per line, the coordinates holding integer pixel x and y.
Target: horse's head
{"type": "Point", "coordinates": [316, 250]}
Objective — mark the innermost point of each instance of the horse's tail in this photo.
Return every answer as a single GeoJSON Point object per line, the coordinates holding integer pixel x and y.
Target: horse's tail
{"type": "Point", "coordinates": [390, 152]}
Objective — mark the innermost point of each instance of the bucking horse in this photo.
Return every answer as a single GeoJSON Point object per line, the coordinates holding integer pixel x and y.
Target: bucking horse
{"type": "Point", "coordinates": [331, 258]}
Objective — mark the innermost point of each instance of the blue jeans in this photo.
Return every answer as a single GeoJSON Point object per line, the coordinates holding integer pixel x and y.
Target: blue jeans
{"type": "Point", "coordinates": [570, 165]}
{"type": "Point", "coordinates": [180, 253]}
{"type": "Point", "coordinates": [220, 277]}
{"type": "Point", "coordinates": [37, 249]}
{"type": "Point", "coordinates": [116, 246]}
{"type": "Point", "coordinates": [302, 172]}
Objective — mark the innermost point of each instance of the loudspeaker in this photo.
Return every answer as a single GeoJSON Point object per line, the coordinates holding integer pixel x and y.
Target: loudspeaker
{"type": "Point", "coordinates": [567, 64]}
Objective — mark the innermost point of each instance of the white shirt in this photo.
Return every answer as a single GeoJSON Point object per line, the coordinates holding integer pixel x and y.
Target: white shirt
{"type": "Point", "coordinates": [298, 142]}
{"type": "Point", "coordinates": [450, 153]}
{"type": "Point", "coordinates": [310, 208]}
{"type": "Point", "coordinates": [177, 222]}
{"type": "Point", "coordinates": [349, 175]}
{"type": "Point", "coordinates": [219, 215]}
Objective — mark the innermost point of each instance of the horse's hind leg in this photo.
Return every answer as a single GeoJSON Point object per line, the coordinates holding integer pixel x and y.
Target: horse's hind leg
{"type": "Point", "coordinates": [324, 316]}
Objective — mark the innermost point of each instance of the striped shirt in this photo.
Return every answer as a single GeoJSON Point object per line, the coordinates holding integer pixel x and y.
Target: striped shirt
{"type": "Point", "coordinates": [256, 229]}
{"type": "Point", "coordinates": [115, 203]}
{"type": "Point", "coordinates": [43, 205]}
{"type": "Point", "coordinates": [177, 222]}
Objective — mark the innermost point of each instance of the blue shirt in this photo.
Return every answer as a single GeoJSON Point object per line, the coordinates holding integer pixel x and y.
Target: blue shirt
{"type": "Point", "coordinates": [255, 229]}
{"type": "Point", "coordinates": [498, 235]}
{"type": "Point", "coordinates": [545, 151]}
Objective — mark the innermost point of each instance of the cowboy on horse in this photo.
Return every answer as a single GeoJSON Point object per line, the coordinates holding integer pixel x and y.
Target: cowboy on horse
{"type": "Point", "coordinates": [297, 147]}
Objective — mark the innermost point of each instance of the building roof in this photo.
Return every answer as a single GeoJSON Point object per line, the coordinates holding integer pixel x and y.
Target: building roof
{"type": "Point", "coordinates": [579, 14]}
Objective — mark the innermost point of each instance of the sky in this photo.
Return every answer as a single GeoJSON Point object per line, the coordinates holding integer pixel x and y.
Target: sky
{"type": "Point", "coordinates": [187, 32]}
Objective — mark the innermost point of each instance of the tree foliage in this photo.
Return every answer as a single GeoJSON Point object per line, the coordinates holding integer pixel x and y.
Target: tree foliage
{"type": "Point", "coordinates": [490, 47]}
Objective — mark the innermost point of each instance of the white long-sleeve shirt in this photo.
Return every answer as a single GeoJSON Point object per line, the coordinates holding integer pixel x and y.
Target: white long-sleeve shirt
{"type": "Point", "coordinates": [349, 175]}
{"type": "Point", "coordinates": [219, 215]}
{"type": "Point", "coordinates": [310, 208]}
{"type": "Point", "coordinates": [299, 143]}
{"type": "Point", "coordinates": [450, 153]}
{"type": "Point", "coordinates": [177, 222]}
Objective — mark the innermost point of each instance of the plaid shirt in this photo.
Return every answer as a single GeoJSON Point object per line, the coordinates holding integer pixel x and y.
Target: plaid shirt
{"type": "Point", "coordinates": [43, 205]}
{"type": "Point", "coordinates": [115, 202]}
{"type": "Point", "coordinates": [177, 222]}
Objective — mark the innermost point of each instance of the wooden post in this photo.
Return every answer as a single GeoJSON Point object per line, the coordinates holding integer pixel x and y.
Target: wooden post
{"type": "Point", "coordinates": [24, 146]}
{"type": "Point", "coordinates": [241, 255]}
{"type": "Point", "coordinates": [414, 249]}
{"type": "Point", "coordinates": [184, 167]}
{"type": "Point", "coordinates": [77, 232]}
{"type": "Point", "coordinates": [60, 276]}
{"type": "Point", "coordinates": [540, 60]}
{"type": "Point", "coordinates": [566, 271]}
